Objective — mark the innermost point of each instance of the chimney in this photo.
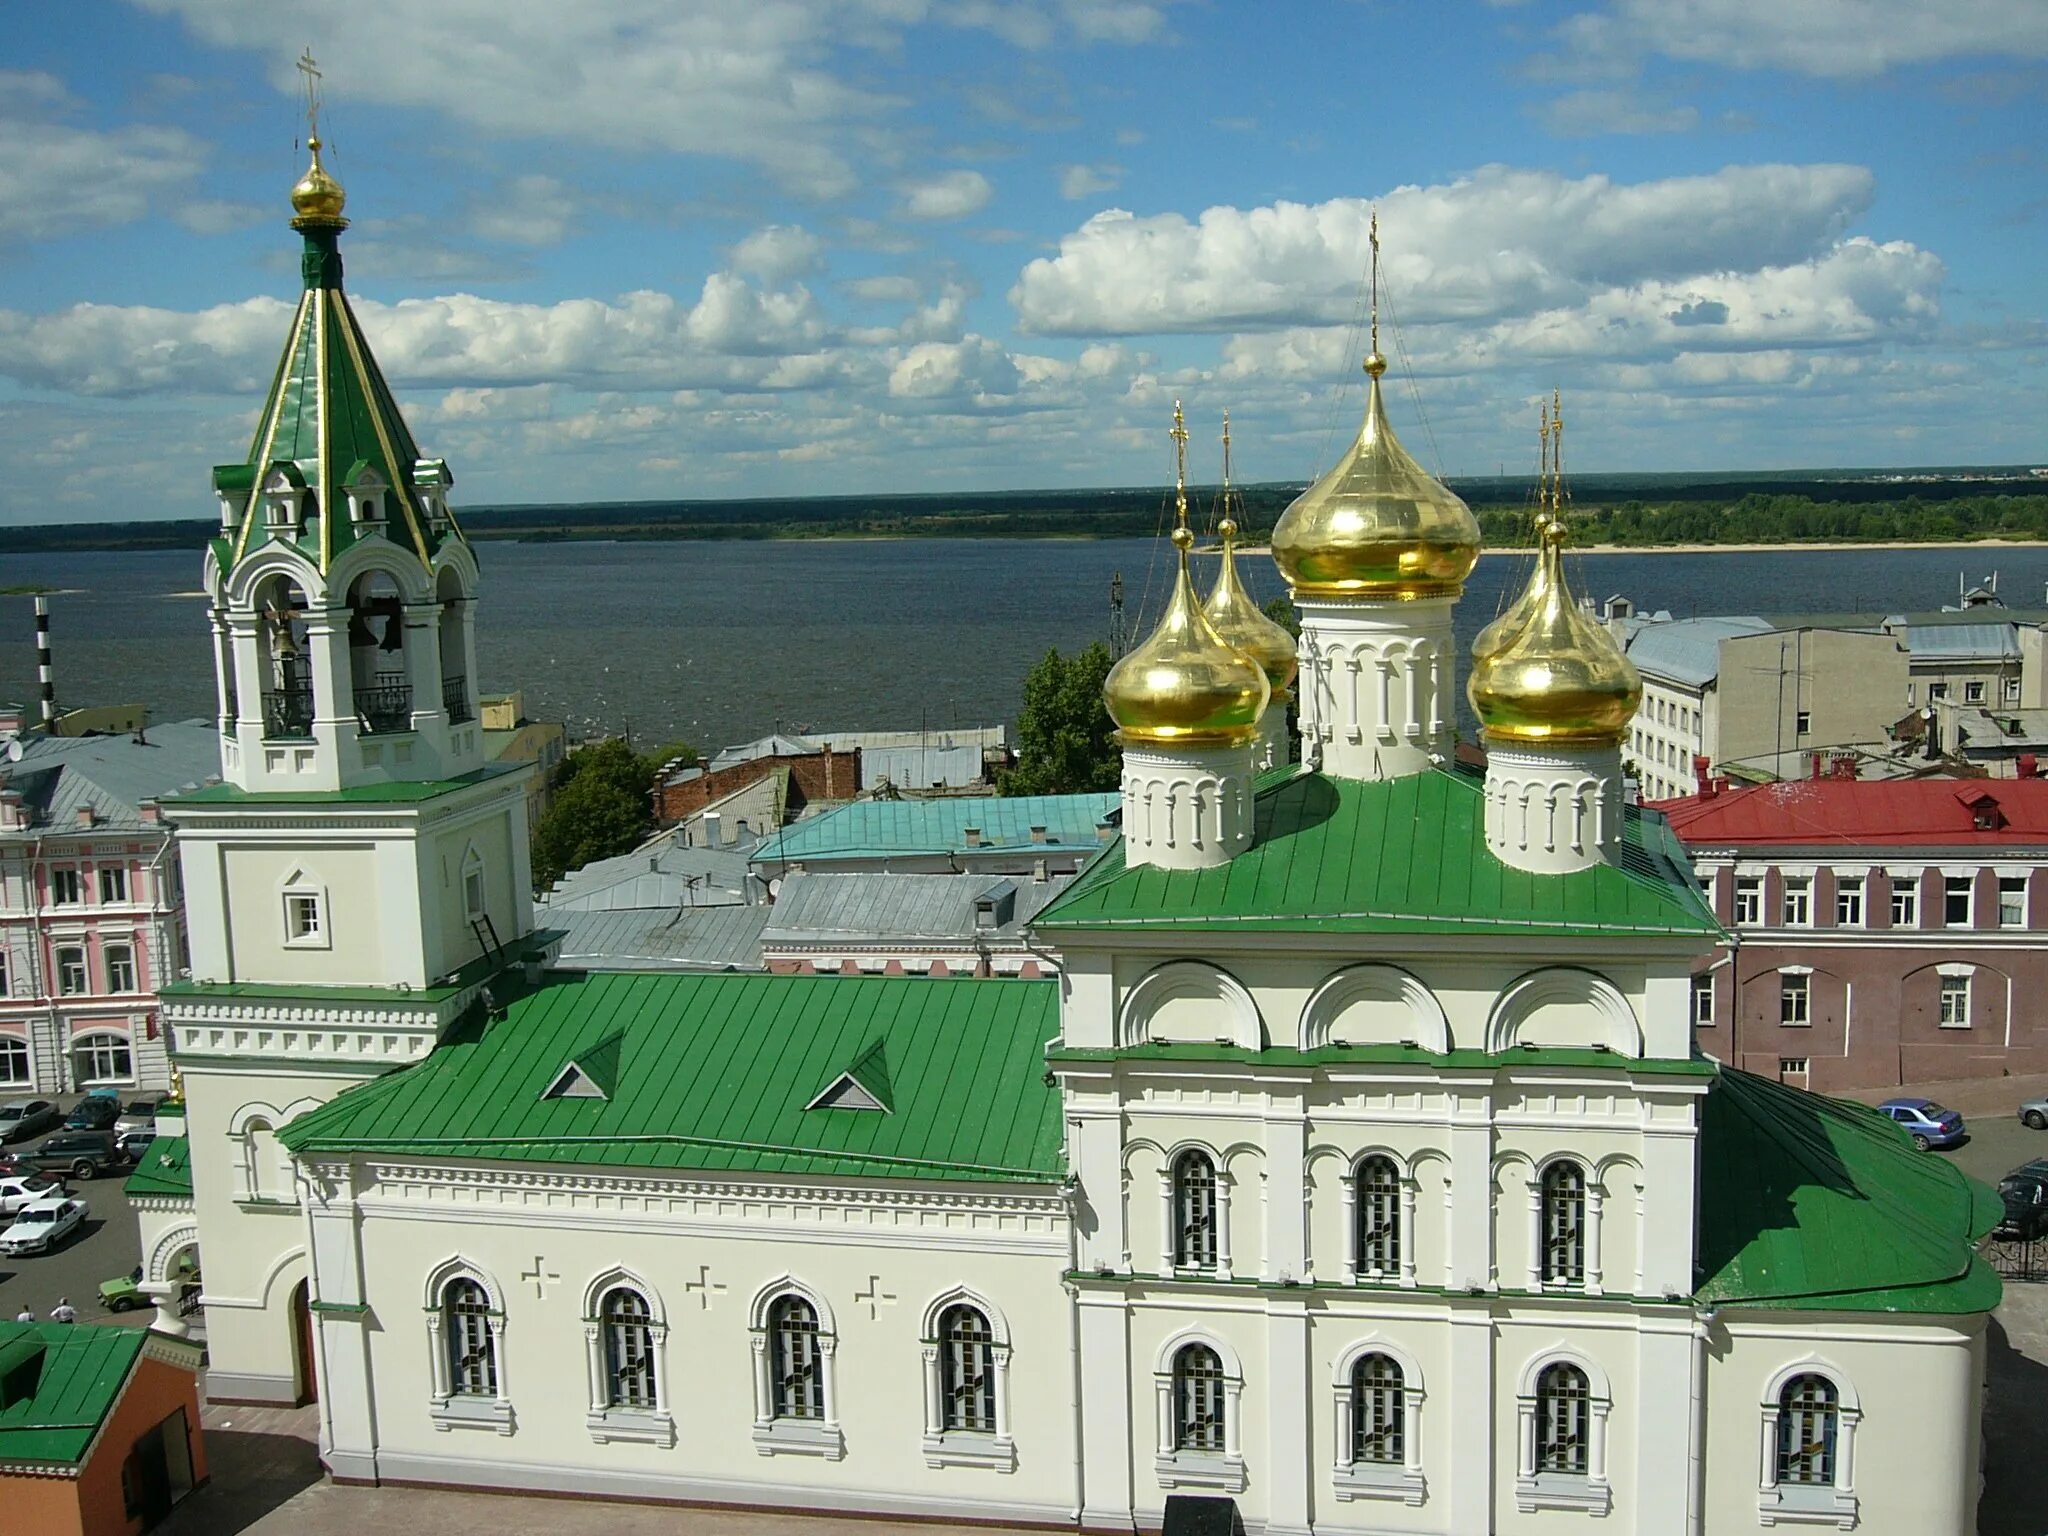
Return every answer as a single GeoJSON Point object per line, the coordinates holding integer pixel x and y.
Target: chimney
{"type": "Point", "coordinates": [150, 811]}
{"type": "Point", "coordinates": [714, 829]}
{"type": "Point", "coordinates": [1842, 765]}
{"type": "Point", "coordinates": [2029, 766]}
{"type": "Point", "coordinates": [43, 673]}
{"type": "Point", "coordinates": [85, 816]}
{"type": "Point", "coordinates": [1814, 771]}
{"type": "Point", "coordinates": [1702, 780]}
{"type": "Point", "coordinates": [1037, 834]}
{"type": "Point", "coordinates": [973, 836]}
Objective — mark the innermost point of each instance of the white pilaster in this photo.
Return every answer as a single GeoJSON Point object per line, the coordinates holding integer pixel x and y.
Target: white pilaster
{"type": "Point", "coordinates": [1552, 810]}
{"type": "Point", "coordinates": [1269, 751]}
{"type": "Point", "coordinates": [1186, 807]}
{"type": "Point", "coordinates": [1376, 687]}
{"type": "Point", "coordinates": [1290, 1439]}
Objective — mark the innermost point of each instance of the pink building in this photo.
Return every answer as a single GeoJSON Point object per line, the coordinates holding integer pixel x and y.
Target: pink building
{"type": "Point", "coordinates": [91, 918]}
{"type": "Point", "coordinates": [1880, 932]}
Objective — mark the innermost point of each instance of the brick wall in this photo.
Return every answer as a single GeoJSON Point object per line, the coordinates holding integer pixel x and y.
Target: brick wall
{"type": "Point", "coordinates": [814, 776]}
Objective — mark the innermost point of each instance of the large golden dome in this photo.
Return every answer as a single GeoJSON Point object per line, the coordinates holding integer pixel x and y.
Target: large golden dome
{"type": "Point", "coordinates": [1185, 686]}
{"type": "Point", "coordinates": [1378, 524]}
{"type": "Point", "coordinates": [318, 198]}
{"type": "Point", "coordinates": [1242, 625]}
{"type": "Point", "coordinates": [1558, 679]}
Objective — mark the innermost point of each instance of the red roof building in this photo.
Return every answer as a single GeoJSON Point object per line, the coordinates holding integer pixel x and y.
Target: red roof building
{"type": "Point", "coordinates": [1880, 933]}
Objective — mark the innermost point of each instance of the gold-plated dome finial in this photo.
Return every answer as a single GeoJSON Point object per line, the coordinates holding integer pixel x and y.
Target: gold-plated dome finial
{"type": "Point", "coordinates": [1548, 504]}
{"type": "Point", "coordinates": [1230, 609]}
{"type": "Point", "coordinates": [317, 199]}
{"type": "Point", "coordinates": [1555, 677]}
{"type": "Point", "coordinates": [1185, 686]}
{"type": "Point", "coordinates": [1377, 524]}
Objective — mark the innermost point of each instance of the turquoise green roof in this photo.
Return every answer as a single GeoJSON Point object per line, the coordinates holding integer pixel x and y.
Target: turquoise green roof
{"type": "Point", "coordinates": [1395, 856]}
{"type": "Point", "coordinates": [329, 415]}
{"type": "Point", "coordinates": [714, 1073]}
{"type": "Point", "coordinates": [1811, 1202]}
{"type": "Point", "coordinates": [58, 1383]}
{"type": "Point", "coordinates": [399, 792]}
{"type": "Point", "coordinates": [883, 828]}
{"type": "Point", "coordinates": [165, 1172]}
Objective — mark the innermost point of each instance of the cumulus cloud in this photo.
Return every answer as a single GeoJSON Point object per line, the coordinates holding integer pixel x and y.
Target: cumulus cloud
{"type": "Point", "coordinates": [1836, 37]}
{"type": "Point", "coordinates": [779, 252]}
{"type": "Point", "coordinates": [891, 288]}
{"type": "Point", "coordinates": [527, 210]}
{"type": "Point", "coordinates": [56, 179]}
{"type": "Point", "coordinates": [971, 371]}
{"type": "Point", "coordinates": [1583, 114]}
{"type": "Point", "coordinates": [1079, 181]}
{"type": "Point", "coordinates": [948, 195]}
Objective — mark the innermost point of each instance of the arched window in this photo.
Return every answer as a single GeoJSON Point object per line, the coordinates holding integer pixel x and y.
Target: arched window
{"type": "Point", "coordinates": [1563, 1420]}
{"type": "Point", "coordinates": [1809, 1422]}
{"type": "Point", "coordinates": [1564, 1224]}
{"type": "Point", "coordinates": [967, 1378]}
{"type": "Point", "coordinates": [14, 1070]}
{"type": "Point", "coordinates": [103, 1058]}
{"type": "Point", "coordinates": [1198, 1399]}
{"type": "Point", "coordinates": [797, 1382]}
{"type": "Point", "coordinates": [467, 1325]}
{"type": "Point", "coordinates": [628, 1350]}
{"type": "Point", "coordinates": [1378, 1411]}
{"type": "Point", "coordinates": [1194, 1211]}
{"type": "Point", "coordinates": [1379, 1217]}
{"type": "Point", "coordinates": [260, 1164]}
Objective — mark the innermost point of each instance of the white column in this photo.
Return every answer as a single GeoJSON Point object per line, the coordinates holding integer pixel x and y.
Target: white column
{"type": "Point", "coordinates": [1379, 678]}
{"type": "Point", "coordinates": [933, 1423]}
{"type": "Point", "coordinates": [1168, 1248]}
{"type": "Point", "coordinates": [1290, 1442]}
{"type": "Point", "coordinates": [593, 1344]}
{"type": "Point", "coordinates": [1596, 1207]}
{"type": "Point", "coordinates": [437, 1344]}
{"type": "Point", "coordinates": [764, 1406]}
{"type": "Point", "coordinates": [1552, 810]}
{"type": "Point", "coordinates": [1407, 1232]}
{"type": "Point", "coordinates": [1285, 1206]}
{"type": "Point", "coordinates": [1535, 1233]}
{"type": "Point", "coordinates": [1223, 1186]}
{"type": "Point", "coordinates": [1468, 1453]}
{"type": "Point", "coordinates": [1348, 1267]}
{"type": "Point", "coordinates": [1106, 1436]}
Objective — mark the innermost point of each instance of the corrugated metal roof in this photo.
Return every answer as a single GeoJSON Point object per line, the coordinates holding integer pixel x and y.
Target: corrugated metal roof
{"type": "Point", "coordinates": [1863, 812]}
{"type": "Point", "coordinates": [1962, 642]}
{"type": "Point", "coordinates": [1404, 855]}
{"type": "Point", "coordinates": [1688, 651]}
{"type": "Point", "coordinates": [695, 938]}
{"type": "Point", "coordinates": [165, 1171]}
{"type": "Point", "coordinates": [715, 1073]}
{"type": "Point", "coordinates": [852, 909]}
{"type": "Point", "coordinates": [58, 776]}
{"type": "Point", "coordinates": [667, 874]}
{"type": "Point", "coordinates": [78, 1374]}
{"type": "Point", "coordinates": [1807, 1201]}
{"type": "Point", "coordinates": [920, 767]}
{"type": "Point", "coordinates": [871, 828]}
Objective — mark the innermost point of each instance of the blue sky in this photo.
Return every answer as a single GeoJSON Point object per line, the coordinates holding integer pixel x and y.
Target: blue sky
{"type": "Point", "coordinates": [651, 248]}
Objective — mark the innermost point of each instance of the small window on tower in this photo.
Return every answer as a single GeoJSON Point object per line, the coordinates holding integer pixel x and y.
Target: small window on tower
{"type": "Point", "coordinates": [305, 915]}
{"type": "Point", "coordinates": [473, 886]}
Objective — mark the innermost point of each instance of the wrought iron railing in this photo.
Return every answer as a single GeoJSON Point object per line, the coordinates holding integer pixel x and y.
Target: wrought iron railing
{"type": "Point", "coordinates": [2017, 1258]}
{"type": "Point", "coordinates": [227, 721]}
{"type": "Point", "coordinates": [455, 700]}
{"type": "Point", "coordinates": [385, 705]}
{"type": "Point", "coordinates": [288, 714]}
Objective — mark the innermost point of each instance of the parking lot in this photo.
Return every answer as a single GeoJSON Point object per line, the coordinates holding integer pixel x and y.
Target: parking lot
{"type": "Point", "coordinates": [106, 1246]}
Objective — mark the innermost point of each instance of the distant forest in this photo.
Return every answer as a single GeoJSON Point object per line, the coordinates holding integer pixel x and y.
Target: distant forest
{"type": "Point", "coordinates": [1639, 511]}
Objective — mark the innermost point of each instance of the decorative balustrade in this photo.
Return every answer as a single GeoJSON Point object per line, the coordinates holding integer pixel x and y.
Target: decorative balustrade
{"type": "Point", "coordinates": [455, 700]}
{"type": "Point", "coordinates": [385, 706]}
{"type": "Point", "coordinates": [288, 714]}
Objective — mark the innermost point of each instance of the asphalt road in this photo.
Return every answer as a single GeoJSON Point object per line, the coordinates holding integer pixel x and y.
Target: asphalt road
{"type": "Point", "coordinates": [107, 1245]}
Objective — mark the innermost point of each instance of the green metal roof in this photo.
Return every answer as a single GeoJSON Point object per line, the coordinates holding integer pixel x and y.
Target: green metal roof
{"type": "Point", "coordinates": [1812, 1202]}
{"type": "Point", "coordinates": [398, 792]}
{"type": "Point", "coordinates": [58, 1382]}
{"type": "Point", "coordinates": [714, 1073]}
{"type": "Point", "coordinates": [1396, 856]}
{"type": "Point", "coordinates": [329, 415]}
{"type": "Point", "coordinates": [165, 1172]}
{"type": "Point", "coordinates": [881, 828]}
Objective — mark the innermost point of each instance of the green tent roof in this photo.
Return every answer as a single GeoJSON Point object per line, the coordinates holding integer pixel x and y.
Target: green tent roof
{"type": "Point", "coordinates": [164, 1173]}
{"type": "Point", "coordinates": [58, 1382]}
{"type": "Point", "coordinates": [714, 1073]}
{"type": "Point", "coordinates": [1807, 1201]}
{"type": "Point", "coordinates": [1396, 856]}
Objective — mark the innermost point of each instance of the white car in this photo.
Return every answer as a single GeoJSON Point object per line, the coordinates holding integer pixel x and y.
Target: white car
{"type": "Point", "coordinates": [21, 1189]}
{"type": "Point", "coordinates": [39, 1225]}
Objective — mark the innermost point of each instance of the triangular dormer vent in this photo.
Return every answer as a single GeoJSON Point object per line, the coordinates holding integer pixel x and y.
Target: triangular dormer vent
{"type": "Point", "coordinates": [864, 1085]}
{"type": "Point", "coordinates": [592, 1073]}
{"type": "Point", "coordinates": [572, 1082]}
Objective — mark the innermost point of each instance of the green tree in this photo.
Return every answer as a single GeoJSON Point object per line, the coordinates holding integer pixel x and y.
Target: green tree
{"type": "Point", "coordinates": [603, 806]}
{"type": "Point", "coordinates": [1066, 742]}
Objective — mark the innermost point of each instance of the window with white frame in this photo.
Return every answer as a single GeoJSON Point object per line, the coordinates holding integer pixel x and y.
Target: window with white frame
{"type": "Point", "coordinates": [1798, 901]}
{"type": "Point", "coordinates": [1955, 1002]}
{"type": "Point", "coordinates": [626, 1341]}
{"type": "Point", "coordinates": [1564, 1224]}
{"type": "Point", "coordinates": [466, 1350]}
{"type": "Point", "coordinates": [628, 1323]}
{"type": "Point", "coordinates": [1563, 1420]}
{"type": "Point", "coordinates": [1563, 1406]}
{"type": "Point", "coordinates": [305, 917]}
{"type": "Point", "coordinates": [120, 960]}
{"type": "Point", "coordinates": [2012, 901]}
{"type": "Point", "coordinates": [1194, 1211]}
{"type": "Point", "coordinates": [1378, 1417]}
{"type": "Point", "coordinates": [967, 1373]}
{"type": "Point", "coordinates": [72, 978]}
{"type": "Point", "coordinates": [467, 1322]}
{"type": "Point", "coordinates": [1198, 1400]}
{"type": "Point", "coordinates": [1795, 998]}
{"type": "Point", "coordinates": [795, 1404]}
{"type": "Point", "coordinates": [1199, 1386]}
{"type": "Point", "coordinates": [1749, 900]}
{"type": "Point", "coordinates": [65, 887]}
{"type": "Point", "coordinates": [1809, 1420]}
{"type": "Point", "coordinates": [1848, 901]}
{"type": "Point", "coordinates": [1703, 1000]}
{"type": "Point", "coordinates": [1905, 901]}
{"type": "Point", "coordinates": [5, 988]}
{"type": "Point", "coordinates": [1379, 1450]}
{"type": "Point", "coordinates": [1379, 1198]}
{"type": "Point", "coordinates": [1955, 900]}
{"type": "Point", "coordinates": [2011, 687]}
{"type": "Point", "coordinates": [1973, 693]}
{"type": "Point", "coordinates": [473, 886]}
{"type": "Point", "coordinates": [966, 1387]}
{"type": "Point", "coordinates": [14, 1062]}
{"type": "Point", "coordinates": [113, 884]}
{"type": "Point", "coordinates": [1936, 691]}
{"type": "Point", "coordinates": [1802, 723]}
{"type": "Point", "coordinates": [798, 1365]}
{"type": "Point", "coordinates": [263, 1170]}
{"type": "Point", "coordinates": [103, 1057]}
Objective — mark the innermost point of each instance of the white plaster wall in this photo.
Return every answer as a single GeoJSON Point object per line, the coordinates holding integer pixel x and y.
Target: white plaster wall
{"type": "Point", "coordinates": [354, 953]}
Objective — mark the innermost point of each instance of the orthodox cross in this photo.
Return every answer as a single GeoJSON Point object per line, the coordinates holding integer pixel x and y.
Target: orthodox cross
{"type": "Point", "coordinates": [874, 1298]}
{"type": "Point", "coordinates": [1179, 434]}
{"type": "Point", "coordinates": [541, 1278]}
{"type": "Point", "coordinates": [704, 1286]}
{"type": "Point", "coordinates": [311, 71]}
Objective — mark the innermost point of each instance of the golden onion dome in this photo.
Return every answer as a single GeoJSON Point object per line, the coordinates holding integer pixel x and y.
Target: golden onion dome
{"type": "Point", "coordinates": [1377, 524]}
{"type": "Point", "coordinates": [318, 198]}
{"type": "Point", "coordinates": [1185, 686]}
{"type": "Point", "coordinates": [1241, 623]}
{"type": "Point", "coordinates": [1558, 678]}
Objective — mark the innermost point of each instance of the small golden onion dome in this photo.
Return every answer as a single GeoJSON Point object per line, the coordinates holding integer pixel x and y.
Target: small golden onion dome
{"type": "Point", "coordinates": [318, 197]}
{"type": "Point", "coordinates": [1240, 622]}
{"type": "Point", "coordinates": [1378, 524]}
{"type": "Point", "coordinates": [1185, 687]}
{"type": "Point", "coordinates": [1558, 679]}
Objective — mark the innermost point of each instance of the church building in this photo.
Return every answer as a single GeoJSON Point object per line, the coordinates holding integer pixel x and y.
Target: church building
{"type": "Point", "coordinates": [1360, 1166]}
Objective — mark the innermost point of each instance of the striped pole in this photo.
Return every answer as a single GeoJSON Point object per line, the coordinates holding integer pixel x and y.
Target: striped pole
{"type": "Point", "coordinates": [43, 676]}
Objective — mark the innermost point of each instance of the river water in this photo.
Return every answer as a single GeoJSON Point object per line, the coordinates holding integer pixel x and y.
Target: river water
{"type": "Point", "coordinates": [719, 642]}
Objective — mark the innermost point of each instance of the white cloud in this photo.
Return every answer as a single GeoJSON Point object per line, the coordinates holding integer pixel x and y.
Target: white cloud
{"type": "Point", "coordinates": [57, 180]}
{"type": "Point", "coordinates": [1497, 242]}
{"type": "Point", "coordinates": [530, 209]}
{"type": "Point", "coordinates": [948, 195]}
{"type": "Point", "coordinates": [884, 290]}
{"type": "Point", "coordinates": [968, 372]}
{"type": "Point", "coordinates": [218, 216]}
{"type": "Point", "coordinates": [1842, 38]}
{"type": "Point", "coordinates": [1582, 114]}
{"type": "Point", "coordinates": [1079, 181]}
{"type": "Point", "coordinates": [778, 252]}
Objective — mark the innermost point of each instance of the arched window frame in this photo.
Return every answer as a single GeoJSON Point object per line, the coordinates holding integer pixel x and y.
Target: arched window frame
{"type": "Point", "coordinates": [1378, 1480]}
{"type": "Point", "coordinates": [607, 1420]}
{"type": "Point", "coordinates": [1591, 1206]}
{"type": "Point", "coordinates": [1808, 1503]}
{"type": "Point", "coordinates": [779, 1435]}
{"type": "Point", "coordinates": [108, 1042]}
{"type": "Point", "coordinates": [1176, 1468]}
{"type": "Point", "coordinates": [449, 1408]}
{"type": "Point", "coordinates": [942, 1446]}
{"type": "Point", "coordinates": [1173, 1255]}
{"type": "Point", "coordinates": [1357, 1212]}
{"type": "Point", "coordinates": [1564, 1490]}
{"type": "Point", "coordinates": [19, 1069]}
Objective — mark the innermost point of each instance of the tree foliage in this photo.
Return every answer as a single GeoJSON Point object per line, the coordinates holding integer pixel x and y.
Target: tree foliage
{"type": "Point", "coordinates": [603, 806]}
{"type": "Point", "coordinates": [1066, 742]}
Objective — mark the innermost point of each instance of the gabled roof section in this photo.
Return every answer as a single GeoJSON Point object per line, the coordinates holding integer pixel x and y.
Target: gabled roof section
{"type": "Point", "coordinates": [864, 1085]}
{"type": "Point", "coordinates": [1395, 856]}
{"type": "Point", "coordinates": [1874, 813]}
{"type": "Point", "coordinates": [1812, 1202]}
{"type": "Point", "coordinates": [61, 1382]}
{"type": "Point", "coordinates": [593, 1073]}
{"type": "Point", "coordinates": [716, 1074]}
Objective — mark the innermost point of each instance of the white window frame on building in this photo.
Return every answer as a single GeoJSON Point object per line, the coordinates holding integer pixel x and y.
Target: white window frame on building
{"type": "Point", "coordinates": [1397, 1477]}
{"type": "Point", "coordinates": [17, 1063]}
{"type": "Point", "coordinates": [474, 886]}
{"type": "Point", "coordinates": [1973, 691]}
{"type": "Point", "coordinates": [66, 889]}
{"type": "Point", "coordinates": [1954, 994]}
{"type": "Point", "coordinates": [612, 1331]}
{"type": "Point", "coordinates": [2011, 690]}
{"type": "Point", "coordinates": [2012, 901]}
{"type": "Point", "coordinates": [1796, 901]}
{"type": "Point", "coordinates": [1382, 1215]}
{"type": "Point", "coordinates": [6, 984]}
{"type": "Point", "coordinates": [1703, 1000]}
{"type": "Point", "coordinates": [74, 970]}
{"type": "Point", "coordinates": [1832, 1502]}
{"type": "Point", "coordinates": [1849, 901]}
{"type": "Point", "coordinates": [951, 1358]}
{"type": "Point", "coordinates": [1749, 901]}
{"type": "Point", "coordinates": [1538, 1486]}
{"type": "Point", "coordinates": [1905, 902]}
{"type": "Point", "coordinates": [1955, 889]}
{"type": "Point", "coordinates": [1565, 1207]}
{"type": "Point", "coordinates": [1790, 1067]}
{"type": "Point", "coordinates": [119, 963]}
{"type": "Point", "coordinates": [1220, 1466]}
{"type": "Point", "coordinates": [778, 1431]}
{"type": "Point", "coordinates": [1795, 997]}
{"type": "Point", "coordinates": [1194, 1198]}
{"type": "Point", "coordinates": [303, 906]}
{"type": "Point", "coordinates": [1802, 722]}
{"type": "Point", "coordinates": [452, 1403]}
{"type": "Point", "coordinates": [113, 884]}
{"type": "Point", "coordinates": [111, 1053]}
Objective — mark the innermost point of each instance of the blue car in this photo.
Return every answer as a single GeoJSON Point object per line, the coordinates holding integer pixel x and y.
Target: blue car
{"type": "Point", "coordinates": [1925, 1121]}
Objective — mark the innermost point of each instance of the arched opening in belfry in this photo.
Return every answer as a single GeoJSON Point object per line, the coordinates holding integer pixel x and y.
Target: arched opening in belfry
{"type": "Point", "coordinates": [284, 664]}
{"type": "Point", "coordinates": [458, 695]}
{"type": "Point", "coordinates": [378, 667]}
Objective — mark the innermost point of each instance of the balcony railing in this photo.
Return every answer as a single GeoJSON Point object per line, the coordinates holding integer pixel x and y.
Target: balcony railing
{"type": "Point", "coordinates": [227, 721]}
{"type": "Point", "coordinates": [288, 714]}
{"type": "Point", "coordinates": [455, 700]}
{"type": "Point", "coordinates": [385, 706]}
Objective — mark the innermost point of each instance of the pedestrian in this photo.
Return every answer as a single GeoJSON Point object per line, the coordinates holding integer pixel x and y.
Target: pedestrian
{"type": "Point", "coordinates": [63, 1312]}
{"type": "Point", "coordinates": [28, 1315]}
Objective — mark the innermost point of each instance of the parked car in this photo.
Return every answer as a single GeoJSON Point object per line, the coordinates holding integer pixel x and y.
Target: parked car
{"type": "Point", "coordinates": [132, 1144]}
{"type": "Point", "coordinates": [139, 1114]}
{"type": "Point", "coordinates": [2026, 1209]}
{"type": "Point", "coordinates": [82, 1154]}
{"type": "Point", "coordinates": [20, 1189]}
{"type": "Point", "coordinates": [40, 1226]}
{"type": "Point", "coordinates": [1925, 1121]}
{"type": "Point", "coordinates": [2034, 1114]}
{"type": "Point", "coordinates": [94, 1114]}
{"type": "Point", "coordinates": [22, 1118]}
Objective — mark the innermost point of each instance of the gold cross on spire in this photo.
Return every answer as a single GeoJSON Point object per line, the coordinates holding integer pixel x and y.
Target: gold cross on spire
{"type": "Point", "coordinates": [311, 71]}
{"type": "Point", "coordinates": [1180, 469]}
{"type": "Point", "coordinates": [1227, 528]}
{"type": "Point", "coordinates": [1375, 364]}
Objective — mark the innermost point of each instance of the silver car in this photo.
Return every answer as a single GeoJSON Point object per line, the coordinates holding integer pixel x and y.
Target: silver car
{"type": "Point", "coordinates": [2034, 1114]}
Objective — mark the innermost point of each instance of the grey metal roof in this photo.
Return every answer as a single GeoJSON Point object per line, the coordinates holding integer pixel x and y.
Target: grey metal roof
{"type": "Point", "coordinates": [693, 938]}
{"type": "Point", "coordinates": [920, 767]}
{"type": "Point", "coordinates": [57, 776]}
{"type": "Point", "coordinates": [876, 908]}
{"type": "Point", "coordinates": [661, 873]}
{"type": "Point", "coordinates": [1688, 651]}
{"type": "Point", "coordinates": [1963, 642]}
{"type": "Point", "coordinates": [763, 746]}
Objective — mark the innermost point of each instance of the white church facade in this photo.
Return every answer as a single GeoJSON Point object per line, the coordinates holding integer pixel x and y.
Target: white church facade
{"type": "Point", "coordinates": [1360, 1167]}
